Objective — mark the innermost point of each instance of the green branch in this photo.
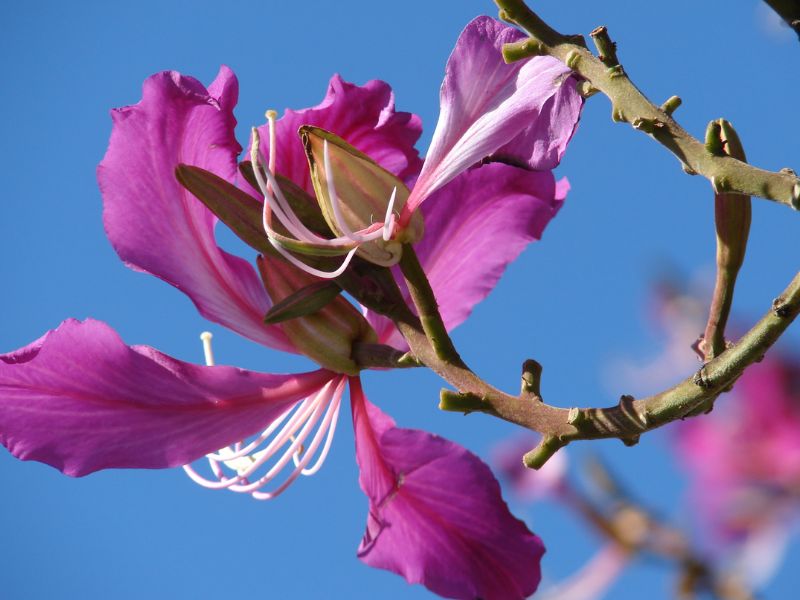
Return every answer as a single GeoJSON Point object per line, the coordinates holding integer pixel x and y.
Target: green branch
{"type": "Point", "coordinates": [605, 74]}
{"type": "Point", "coordinates": [432, 346]}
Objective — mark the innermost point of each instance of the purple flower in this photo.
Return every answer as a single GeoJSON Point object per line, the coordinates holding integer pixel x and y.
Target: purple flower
{"type": "Point", "coordinates": [80, 400]}
{"type": "Point", "coordinates": [743, 462]}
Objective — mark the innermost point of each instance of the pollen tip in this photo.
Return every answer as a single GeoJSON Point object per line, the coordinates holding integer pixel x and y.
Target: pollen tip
{"type": "Point", "coordinates": [271, 114]}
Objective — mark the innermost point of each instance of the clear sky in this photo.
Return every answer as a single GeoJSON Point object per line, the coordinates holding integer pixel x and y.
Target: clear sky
{"type": "Point", "coordinates": [576, 301]}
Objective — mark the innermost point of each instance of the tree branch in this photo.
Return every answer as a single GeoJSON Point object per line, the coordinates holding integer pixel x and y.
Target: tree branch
{"type": "Point", "coordinates": [629, 104]}
{"type": "Point", "coordinates": [559, 426]}
{"type": "Point", "coordinates": [789, 11]}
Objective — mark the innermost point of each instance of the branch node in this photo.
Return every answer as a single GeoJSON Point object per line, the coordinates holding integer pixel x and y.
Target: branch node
{"type": "Point", "coordinates": [464, 403]}
{"type": "Point", "coordinates": [576, 417]}
{"type": "Point", "coordinates": [531, 379]}
{"type": "Point", "coordinates": [700, 379]}
{"type": "Point", "coordinates": [616, 71]}
{"type": "Point", "coordinates": [573, 58]}
{"type": "Point", "coordinates": [650, 126]}
{"type": "Point", "coordinates": [720, 184]}
{"type": "Point", "coordinates": [515, 51]}
{"type": "Point", "coordinates": [586, 89]}
{"type": "Point", "coordinates": [687, 169]}
{"type": "Point", "coordinates": [671, 104]}
{"type": "Point", "coordinates": [617, 115]}
{"type": "Point", "coordinates": [781, 308]}
{"type": "Point", "coordinates": [627, 407]}
{"type": "Point", "coordinates": [536, 458]}
{"type": "Point", "coordinates": [606, 48]}
{"type": "Point", "coordinates": [630, 440]}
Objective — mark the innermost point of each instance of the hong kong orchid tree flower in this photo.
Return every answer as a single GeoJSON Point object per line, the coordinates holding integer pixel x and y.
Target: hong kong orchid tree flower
{"type": "Point", "coordinates": [81, 400]}
{"type": "Point", "coordinates": [744, 466]}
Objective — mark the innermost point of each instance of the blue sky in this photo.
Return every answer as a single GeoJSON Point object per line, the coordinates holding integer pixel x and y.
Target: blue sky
{"type": "Point", "coordinates": [576, 301]}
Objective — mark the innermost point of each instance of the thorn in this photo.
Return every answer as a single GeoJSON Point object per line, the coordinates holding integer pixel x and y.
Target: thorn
{"type": "Point", "coordinates": [687, 169]}
{"type": "Point", "coordinates": [781, 308]}
{"type": "Point", "coordinates": [586, 89]}
{"type": "Point", "coordinates": [700, 379]}
{"type": "Point", "coordinates": [573, 58]}
{"type": "Point", "coordinates": [671, 104]}
{"type": "Point", "coordinates": [630, 440]}
{"type": "Point", "coordinates": [531, 378]}
{"type": "Point", "coordinates": [548, 446]}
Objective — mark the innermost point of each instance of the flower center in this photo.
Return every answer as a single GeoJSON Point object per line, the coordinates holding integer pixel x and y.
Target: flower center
{"type": "Point", "coordinates": [295, 437]}
{"type": "Point", "coordinates": [306, 241]}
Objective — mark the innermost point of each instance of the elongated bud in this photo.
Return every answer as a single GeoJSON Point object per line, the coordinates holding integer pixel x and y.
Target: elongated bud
{"type": "Point", "coordinates": [732, 214]}
{"type": "Point", "coordinates": [327, 335]}
{"type": "Point", "coordinates": [358, 197]}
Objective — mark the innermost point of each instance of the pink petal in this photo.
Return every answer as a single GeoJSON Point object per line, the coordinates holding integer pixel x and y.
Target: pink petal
{"type": "Point", "coordinates": [436, 516]}
{"type": "Point", "coordinates": [524, 112]}
{"type": "Point", "coordinates": [474, 228]}
{"type": "Point", "coordinates": [154, 224]}
{"type": "Point", "coordinates": [365, 116]}
{"type": "Point", "coordinates": [80, 400]}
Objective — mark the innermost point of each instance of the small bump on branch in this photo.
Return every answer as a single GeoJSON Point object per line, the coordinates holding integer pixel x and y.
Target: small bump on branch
{"type": "Point", "coordinates": [607, 51]}
{"type": "Point", "coordinates": [548, 446]}
{"type": "Point", "coordinates": [531, 379]}
{"type": "Point", "coordinates": [671, 104]}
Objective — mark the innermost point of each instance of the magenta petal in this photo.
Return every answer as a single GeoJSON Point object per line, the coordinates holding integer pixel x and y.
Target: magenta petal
{"type": "Point", "coordinates": [365, 116]}
{"type": "Point", "coordinates": [436, 516]}
{"type": "Point", "coordinates": [524, 112]}
{"type": "Point", "coordinates": [154, 224]}
{"type": "Point", "coordinates": [474, 228]}
{"type": "Point", "coordinates": [80, 400]}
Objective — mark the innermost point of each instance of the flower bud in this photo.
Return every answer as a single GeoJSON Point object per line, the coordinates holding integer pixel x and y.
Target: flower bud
{"type": "Point", "coordinates": [362, 192]}
{"type": "Point", "coordinates": [325, 336]}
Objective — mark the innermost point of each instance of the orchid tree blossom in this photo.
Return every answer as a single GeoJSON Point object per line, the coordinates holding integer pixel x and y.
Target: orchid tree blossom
{"type": "Point", "coordinates": [522, 115]}
{"type": "Point", "coordinates": [80, 400]}
{"type": "Point", "coordinates": [743, 463]}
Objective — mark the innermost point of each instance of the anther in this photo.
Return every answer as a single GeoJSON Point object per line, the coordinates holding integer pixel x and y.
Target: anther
{"type": "Point", "coordinates": [207, 351]}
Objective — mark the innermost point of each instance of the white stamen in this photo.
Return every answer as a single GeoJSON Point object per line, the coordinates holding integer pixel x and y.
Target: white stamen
{"type": "Point", "coordinates": [207, 351]}
{"type": "Point", "coordinates": [271, 116]}
{"type": "Point", "coordinates": [308, 269]}
{"type": "Point", "coordinates": [388, 221]}
{"type": "Point", "coordinates": [244, 459]}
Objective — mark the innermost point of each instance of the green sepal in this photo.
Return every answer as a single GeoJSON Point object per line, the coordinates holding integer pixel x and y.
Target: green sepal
{"type": "Point", "coordinates": [234, 207]}
{"type": "Point", "coordinates": [364, 189]}
{"type": "Point", "coordinates": [305, 301]}
{"type": "Point", "coordinates": [325, 336]}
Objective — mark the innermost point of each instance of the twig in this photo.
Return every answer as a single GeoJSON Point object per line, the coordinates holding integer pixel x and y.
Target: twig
{"type": "Point", "coordinates": [789, 11]}
{"type": "Point", "coordinates": [559, 426]}
{"type": "Point", "coordinates": [630, 105]}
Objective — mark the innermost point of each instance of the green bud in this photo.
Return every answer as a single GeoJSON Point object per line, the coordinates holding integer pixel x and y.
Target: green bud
{"type": "Point", "coordinates": [327, 335]}
{"type": "Point", "coordinates": [363, 188]}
